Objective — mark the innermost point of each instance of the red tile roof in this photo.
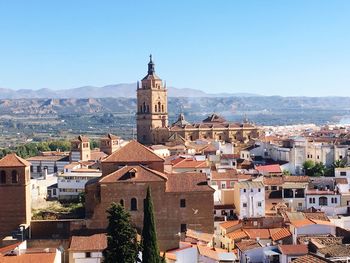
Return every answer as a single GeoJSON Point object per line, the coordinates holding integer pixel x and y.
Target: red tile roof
{"type": "Point", "coordinates": [134, 173]}
{"type": "Point", "coordinates": [301, 222]}
{"type": "Point", "coordinates": [133, 152]}
{"type": "Point", "coordinates": [279, 233]}
{"type": "Point", "coordinates": [295, 178]}
{"type": "Point", "coordinates": [311, 258]}
{"type": "Point", "coordinates": [272, 168]}
{"type": "Point", "coordinates": [12, 160]}
{"type": "Point", "coordinates": [190, 163]}
{"type": "Point", "coordinates": [237, 235]}
{"type": "Point", "coordinates": [245, 245]}
{"type": "Point", "coordinates": [188, 182]}
{"type": "Point", "coordinates": [274, 180]}
{"type": "Point", "coordinates": [293, 250]}
{"type": "Point", "coordinates": [229, 175]}
{"type": "Point", "coordinates": [261, 233]}
{"type": "Point", "coordinates": [97, 242]}
{"type": "Point", "coordinates": [228, 224]}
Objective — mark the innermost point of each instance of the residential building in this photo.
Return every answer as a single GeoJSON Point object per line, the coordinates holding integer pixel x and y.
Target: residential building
{"type": "Point", "coordinates": [48, 163]}
{"type": "Point", "coordinates": [292, 252]}
{"type": "Point", "coordinates": [249, 199]}
{"type": "Point", "coordinates": [294, 191]}
{"type": "Point", "coordinates": [322, 198]}
{"type": "Point", "coordinates": [87, 249]}
{"type": "Point", "coordinates": [71, 182]}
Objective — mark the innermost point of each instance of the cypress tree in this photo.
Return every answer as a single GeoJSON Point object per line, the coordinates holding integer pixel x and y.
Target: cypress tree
{"type": "Point", "coordinates": [150, 250]}
{"type": "Point", "coordinates": [122, 246]}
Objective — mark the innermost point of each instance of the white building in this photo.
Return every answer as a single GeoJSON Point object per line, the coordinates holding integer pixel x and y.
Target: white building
{"type": "Point", "coordinates": [48, 163]}
{"type": "Point", "coordinates": [72, 181]}
{"type": "Point", "coordinates": [298, 150]}
{"type": "Point", "coordinates": [161, 150]}
{"type": "Point", "coordinates": [249, 199]}
{"type": "Point", "coordinates": [320, 198]}
{"type": "Point", "coordinates": [87, 249]}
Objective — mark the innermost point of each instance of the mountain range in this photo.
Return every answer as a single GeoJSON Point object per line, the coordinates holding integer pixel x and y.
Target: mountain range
{"type": "Point", "coordinates": [126, 90]}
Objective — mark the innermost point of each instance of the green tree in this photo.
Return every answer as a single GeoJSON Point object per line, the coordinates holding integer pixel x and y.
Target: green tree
{"type": "Point", "coordinates": [319, 169]}
{"type": "Point", "coordinates": [122, 246]}
{"type": "Point", "coordinates": [150, 250]}
{"type": "Point", "coordinates": [307, 167]}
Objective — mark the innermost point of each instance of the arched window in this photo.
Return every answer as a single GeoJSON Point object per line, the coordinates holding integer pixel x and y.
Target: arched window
{"type": "Point", "coordinates": [162, 108]}
{"type": "Point", "coordinates": [14, 177]}
{"type": "Point", "coordinates": [121, 202]}
{"type": "Point", "coordinates": [155, 108]}
{"type": "Point", "coordinates": [159, 106]}
{"type": "Point", "coordinates": [3, 177]}
{"type": "Point", "coordinates": [133, 204]}
{"type": "Point", "coordinates": [141, 108]}
{"type": "Point", "coordinates": [147, 108]}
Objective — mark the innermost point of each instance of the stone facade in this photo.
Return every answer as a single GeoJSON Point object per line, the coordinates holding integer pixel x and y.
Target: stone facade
{"type": "Point", "coordinates": [152, 118]}
{"type": "Point", "coordinates": [180, 200]}
{"type": "Point", "coordinates": [15, 195]}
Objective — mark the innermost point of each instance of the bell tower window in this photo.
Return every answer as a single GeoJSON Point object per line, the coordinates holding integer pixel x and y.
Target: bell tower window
{"type": "Point", "coordinates": [14, 177]}
{"type": "Point", "coordinates": [2, 177]}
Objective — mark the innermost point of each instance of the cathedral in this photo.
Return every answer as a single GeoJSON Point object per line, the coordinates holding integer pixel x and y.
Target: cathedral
{"type": "Point", "coordinates": [152, 119]}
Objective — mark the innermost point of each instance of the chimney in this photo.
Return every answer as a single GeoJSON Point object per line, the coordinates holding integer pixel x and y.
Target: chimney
{"type": "Point", "coordinates": [45, 173]}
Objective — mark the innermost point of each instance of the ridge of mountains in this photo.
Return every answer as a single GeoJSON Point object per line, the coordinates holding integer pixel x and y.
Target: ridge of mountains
{"type": "Point", "coordinates": [126, 90]}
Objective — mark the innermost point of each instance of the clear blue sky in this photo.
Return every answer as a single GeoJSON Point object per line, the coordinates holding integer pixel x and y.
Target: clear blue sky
{"type": "Point", "coordinates": [267, 47]}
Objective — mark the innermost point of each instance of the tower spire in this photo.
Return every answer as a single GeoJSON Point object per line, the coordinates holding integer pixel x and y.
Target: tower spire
{"type": "Point", "coordinates": [151, 69]}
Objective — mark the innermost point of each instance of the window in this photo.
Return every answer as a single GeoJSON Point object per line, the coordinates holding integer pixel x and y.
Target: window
{"type": "Point", "coordinates": [183, 228]}
{"type": "Point", "coordinates": [266, 188]}
{"type": "Point", "coordinates": [251, 190]}
{"type": "Point", "coordinates": [318, 157]}
{"type": "Point", "coordinates": [55, 169]}
{"type": "Point", "coordinates": [323, 200]}
{"type": "Point", "coordinates": [232, 184]}
{"type": "Point", "coordinates": [88, 254]}
{"type": "Point", "coordinates": [334, 200]}
{"type": "Point", "coordinates": [300, 204]}
{"type": "Point", "coordinates": [343, 173]}
{"type": "Point", "coordinates": [312, 200]}
{"type": "Point", "coordinates": [244, 204]}
{"type": "Point", "coordinates": [38, 169]}
{"type": "Point", "coordinates": [274, 187]}
{"type": "Point", "coordinates": [259, 204]}
{"type": "Point", "coordinates": [182, 202]}
{"type": "Point", "coordinates": [244, 190]}
{"type": "Point", "coordinates": [3, 177]}
{"type": "Point", "coordinates": [133, 204]}
{"type": "Point", "coordinates": [14, 177]}
{"type": "Point", "coordinates": [121, 202]}
{"type": "Point", "coordinates": [259, 190]}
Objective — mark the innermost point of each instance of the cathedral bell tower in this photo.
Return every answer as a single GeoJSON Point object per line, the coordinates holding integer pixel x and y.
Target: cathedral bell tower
{"type": "Point", "coordinates": [152, 106]}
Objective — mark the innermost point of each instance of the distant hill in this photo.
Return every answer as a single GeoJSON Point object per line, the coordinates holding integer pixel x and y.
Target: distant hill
{"type": "Point", "coordinates": [112, 91]}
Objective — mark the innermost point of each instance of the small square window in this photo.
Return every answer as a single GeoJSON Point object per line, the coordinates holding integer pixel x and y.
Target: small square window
{"type": "Point", "coordinates": [259, 204]}
{"type": "Point", "coordinates": [244, 190]}
{"type": "Point", "coordinates": [244, 204]}
{"type": "Point", "coordinates": [259, 189]}
{"type": "Point", "coordinates": [88, 254]}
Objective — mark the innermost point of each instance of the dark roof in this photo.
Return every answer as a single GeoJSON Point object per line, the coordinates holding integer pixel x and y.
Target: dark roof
{"type": "Point", "coordinates": [214, 118]}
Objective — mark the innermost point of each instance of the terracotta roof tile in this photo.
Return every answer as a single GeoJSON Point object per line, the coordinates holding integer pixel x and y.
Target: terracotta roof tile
{"type": "Point", "coordinates": [12, 160]}
{"type": "Point", "coordinates": [228, 224]}
{"type": "Point", "coordinates": [301, 223]}
{"type": "Point", "coordinates": [190, 163]}
{"type": "Point", "coordinates": [237, 235]}
{"type": "Point", "coordinates": [272, 168]}
{"type": "Point", "coordinates": [133, 173]}
{"type": "Point", "coordinates": [229, 174]}
{"type": "Point", "coordinates": [29, 258]}
{"type": "Point", "coordinates": [245, 245]}
{"type": "Point", "coordinates": [133, 152]}
{"type": "Point", "coordinates": [310, 258]}
{"type": "Point", "coordinates": [275, 180]}
{"type": "Point", "coordinates": [210, 252]}
{"type": "Point", "coordinates": [188, 182]}
{"type": "Point", "coordinates": [97, 242]}
{"type": "Point", "coordinates": [279, 233]}
{"type": "Point", "coordinates": [293, 250]}
{"type": "Point", "coordinates": [261, 233]}
{"type": "Point", "coordinates": [295, 178]}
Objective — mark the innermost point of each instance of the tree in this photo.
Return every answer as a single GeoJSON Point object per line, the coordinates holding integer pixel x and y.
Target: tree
{"type": "Point", "coordinates": [150, 250]}
{"type": "Point", "coordinates": [319, 169]}
{"type": "Point", "coordinates": [122, 246]}
{"type": "Point", "coordinates": [307, 167]}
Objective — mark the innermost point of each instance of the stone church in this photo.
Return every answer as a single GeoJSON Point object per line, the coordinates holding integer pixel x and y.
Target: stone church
{"type": "Point", "coordinates": [152, 118]}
